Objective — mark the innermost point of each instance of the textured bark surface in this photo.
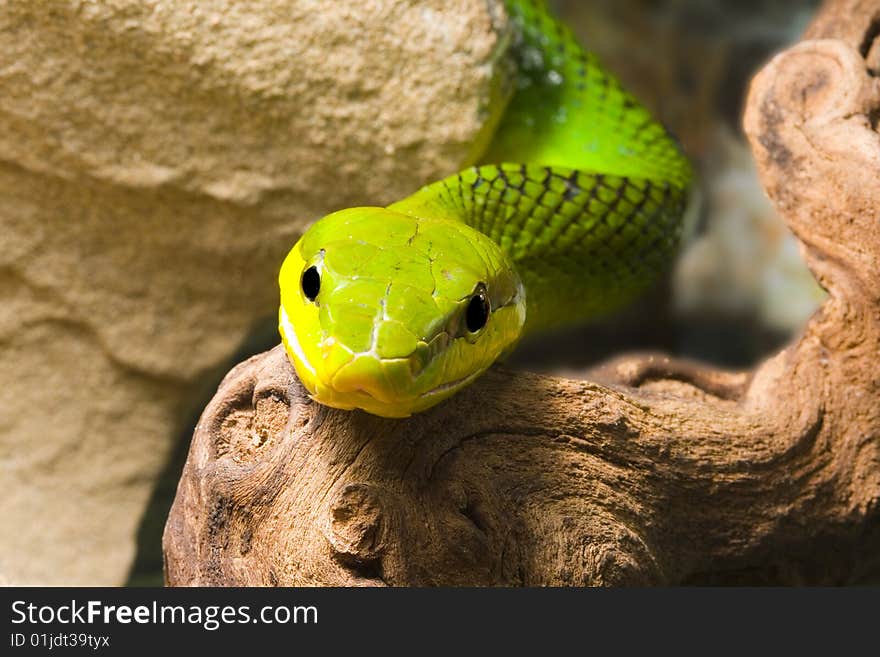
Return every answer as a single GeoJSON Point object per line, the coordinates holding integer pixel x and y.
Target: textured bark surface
{"type": "Point", "coordinates": [653, 471]}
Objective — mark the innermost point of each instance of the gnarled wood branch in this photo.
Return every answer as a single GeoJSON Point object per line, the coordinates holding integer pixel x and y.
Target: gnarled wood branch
{"type": "Point", "coordinates": [652, 472]}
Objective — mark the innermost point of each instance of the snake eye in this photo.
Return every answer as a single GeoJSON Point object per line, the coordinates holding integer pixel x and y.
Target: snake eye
{"type": "Point", "coordinates": [477, 313]}
{"type": "Point", "coordinates": [311, 283]}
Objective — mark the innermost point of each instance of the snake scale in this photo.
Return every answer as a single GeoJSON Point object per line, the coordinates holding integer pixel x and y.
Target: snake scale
{"type": "Point", "coordinates": [576, 207]}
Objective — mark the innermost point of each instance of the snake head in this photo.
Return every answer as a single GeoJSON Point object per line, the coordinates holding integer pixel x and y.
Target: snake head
{"type": "Point", "coordinates": [392, 314]}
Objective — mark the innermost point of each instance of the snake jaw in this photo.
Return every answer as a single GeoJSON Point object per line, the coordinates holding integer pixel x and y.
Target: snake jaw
{"type": "Point", "coordinates": [388, 387]}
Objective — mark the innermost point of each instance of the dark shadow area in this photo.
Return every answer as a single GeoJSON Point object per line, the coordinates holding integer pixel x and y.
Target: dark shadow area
{"type": "Point", "coordinates": [808, 566]}
{"type": "Point", "coordinates": [146, 570]}
{"type": "Point", "coordinates": [727, 341]}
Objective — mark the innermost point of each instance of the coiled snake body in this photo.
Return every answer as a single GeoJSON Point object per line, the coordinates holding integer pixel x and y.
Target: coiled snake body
{"type": "Point", "coordinates": [578, 206]}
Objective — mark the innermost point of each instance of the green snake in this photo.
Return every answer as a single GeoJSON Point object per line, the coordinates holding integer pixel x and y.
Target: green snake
{"type": "Point", "coordinates": [577, 206]}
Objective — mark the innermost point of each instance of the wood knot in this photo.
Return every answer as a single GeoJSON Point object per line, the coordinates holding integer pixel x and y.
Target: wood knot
{"type": "Point", "coordinates": [246, 433]}
{"type": "Point", "coordinates": [357, 524]}
{"type": "Point", "coordinates": [817, 82]}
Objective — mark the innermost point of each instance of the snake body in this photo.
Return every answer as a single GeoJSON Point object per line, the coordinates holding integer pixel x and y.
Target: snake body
{"type": "Point", "coordinates": [576, 209]}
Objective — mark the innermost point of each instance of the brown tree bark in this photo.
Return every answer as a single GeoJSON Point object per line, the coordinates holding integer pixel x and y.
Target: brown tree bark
{"type": "Point", "coordinates": [653, 471]}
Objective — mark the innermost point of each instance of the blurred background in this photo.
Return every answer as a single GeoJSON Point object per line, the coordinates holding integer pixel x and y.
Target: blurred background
{"type": "Point", "coordinates": [157, 161]}
{"type": "Point", "coordinates": [740, 289]}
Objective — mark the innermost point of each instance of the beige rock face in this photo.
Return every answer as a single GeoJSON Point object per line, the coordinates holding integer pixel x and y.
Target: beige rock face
{"type": "Point", "coordinates": [156, 162]}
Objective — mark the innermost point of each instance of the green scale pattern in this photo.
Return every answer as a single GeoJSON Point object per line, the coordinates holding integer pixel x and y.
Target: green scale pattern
{"type": "Point", "coordinates": [597, 212]}
{"type": "Point", "coordinates": [584, 243]}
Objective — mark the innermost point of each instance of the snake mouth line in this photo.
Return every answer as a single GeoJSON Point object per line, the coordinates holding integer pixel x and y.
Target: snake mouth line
{"type": "Point", "coordinates": [438, 390]}
{"type": "Point", "coordinates": [451, 385]}
{"type": "Point", "coordinates": [289, 334]}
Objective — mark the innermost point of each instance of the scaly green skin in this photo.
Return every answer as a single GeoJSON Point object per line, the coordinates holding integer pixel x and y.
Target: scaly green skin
{"type": "Point", "coordinates": [583, 226]}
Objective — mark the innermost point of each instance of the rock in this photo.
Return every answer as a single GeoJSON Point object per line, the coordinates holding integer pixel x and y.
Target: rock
{"type": "Point", "coordinates": [158, 160]}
